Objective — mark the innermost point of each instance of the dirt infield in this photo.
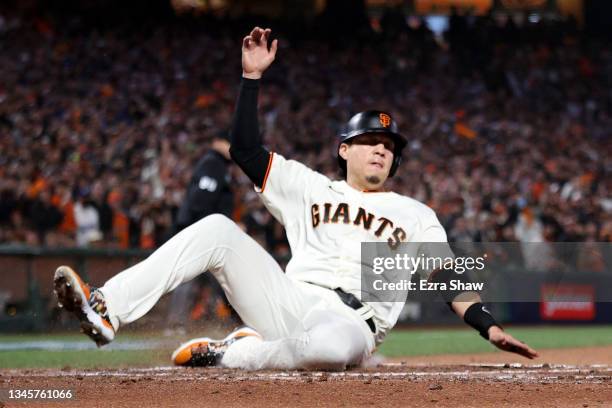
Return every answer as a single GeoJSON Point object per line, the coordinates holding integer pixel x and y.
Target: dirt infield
{"type": "Point", "coordinates": [414, 382]}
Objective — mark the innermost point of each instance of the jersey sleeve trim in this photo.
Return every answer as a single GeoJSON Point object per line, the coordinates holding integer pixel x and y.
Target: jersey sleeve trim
{"type": "Point", "coordinates": [263, 185]}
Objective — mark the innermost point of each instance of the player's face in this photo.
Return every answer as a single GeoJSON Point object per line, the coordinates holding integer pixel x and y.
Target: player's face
{"type": "Point", "coordinates": [368, 160]}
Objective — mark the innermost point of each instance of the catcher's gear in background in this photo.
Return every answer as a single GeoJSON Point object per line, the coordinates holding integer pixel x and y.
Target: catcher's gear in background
{"type": "Point", "coordinates": [373, 122]}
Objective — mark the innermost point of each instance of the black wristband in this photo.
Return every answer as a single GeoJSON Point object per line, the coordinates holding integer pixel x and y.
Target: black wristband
{"type": "Point", "coordinates": [480, 319]}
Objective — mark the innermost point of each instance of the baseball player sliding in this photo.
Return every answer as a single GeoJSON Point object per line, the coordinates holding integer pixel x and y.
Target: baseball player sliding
{"type": "Point", "coordinates": [311, 316]}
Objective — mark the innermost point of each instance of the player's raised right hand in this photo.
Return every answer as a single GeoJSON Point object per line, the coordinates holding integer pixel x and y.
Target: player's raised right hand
{"type": "Point", "coordinates": [256, 57]}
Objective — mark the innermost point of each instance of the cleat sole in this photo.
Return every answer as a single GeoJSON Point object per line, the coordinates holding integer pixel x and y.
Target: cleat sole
{"type": "Point", "coordinates": [70, 300]}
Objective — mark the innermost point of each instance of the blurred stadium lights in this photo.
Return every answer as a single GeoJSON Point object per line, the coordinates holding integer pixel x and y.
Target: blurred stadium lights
{"type": "Point", "coordinates": [534, 18]}
{"type": "Point", "coordinates": [308, 8]}
{"type": "Point", "coordinates": [524, 3]}
{"type": "Point", "coordinates": [421, 7]}
{"type": "Point", "coordinates": [438, 24]}
{"type": "Point", "coordinates": [269, 8]}
{"type": "Point", "coordinates": [199, 5]}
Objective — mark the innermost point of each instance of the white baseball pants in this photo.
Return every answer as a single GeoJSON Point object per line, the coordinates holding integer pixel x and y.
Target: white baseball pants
{"type": "Point", "coordinates": [303, 325]}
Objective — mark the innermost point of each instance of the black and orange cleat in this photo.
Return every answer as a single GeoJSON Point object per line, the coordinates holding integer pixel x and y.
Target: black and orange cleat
{"type": "Point", "coordinates": [86, 303]}
{"type": "Point", "coordinates": [206, 352]}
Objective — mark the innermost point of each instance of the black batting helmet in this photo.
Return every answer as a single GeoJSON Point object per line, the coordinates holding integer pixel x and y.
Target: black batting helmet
{"type": "Point", "coordinates": [373, 122]}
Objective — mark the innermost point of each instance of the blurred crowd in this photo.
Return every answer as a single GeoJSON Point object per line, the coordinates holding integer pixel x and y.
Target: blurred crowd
{"type": "Point", "coordinates": [509, 123]}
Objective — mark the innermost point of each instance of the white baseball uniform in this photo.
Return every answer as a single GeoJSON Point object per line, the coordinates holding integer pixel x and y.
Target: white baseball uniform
{"type": "Point", "coordinates": [303, 323]}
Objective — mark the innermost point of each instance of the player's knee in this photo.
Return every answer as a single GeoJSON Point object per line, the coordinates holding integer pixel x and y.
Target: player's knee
{"type": "Point", "coordinates": [218, 224]}
{"type": "Point", "coordinates": [217, 220]}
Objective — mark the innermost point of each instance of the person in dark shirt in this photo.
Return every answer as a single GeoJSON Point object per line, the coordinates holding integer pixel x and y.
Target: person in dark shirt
{"type": "Point", "coordinates": [209, 190]}
{"type": "Point", "coordinates": [43, 216]}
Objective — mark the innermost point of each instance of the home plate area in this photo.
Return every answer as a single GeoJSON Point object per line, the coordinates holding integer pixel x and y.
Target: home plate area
{"type": "Point", "coordinates": [386, 384]}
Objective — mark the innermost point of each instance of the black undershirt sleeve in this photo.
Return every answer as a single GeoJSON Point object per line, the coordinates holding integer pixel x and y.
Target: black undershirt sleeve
{"type": "Point", "coordinates": [246, 144]}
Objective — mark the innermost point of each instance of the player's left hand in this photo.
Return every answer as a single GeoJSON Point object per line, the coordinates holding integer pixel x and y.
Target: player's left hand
{"type": "Point", "coordinates": [506, 342]}
{"type": "Point", "coordinates": [256, 56]}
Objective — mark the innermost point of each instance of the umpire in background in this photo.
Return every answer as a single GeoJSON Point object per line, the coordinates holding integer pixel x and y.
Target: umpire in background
{"type": "Point", "coordinates": [209, 189]}
{"type": "Point", "coordinates": [208, 193]}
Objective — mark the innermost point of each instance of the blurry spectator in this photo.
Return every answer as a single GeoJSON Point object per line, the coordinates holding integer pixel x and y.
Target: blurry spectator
{"type": "Point", "coordinates": [591, 257]}
{"type": "Point", "coordinates": [43, 215]}
{"type": "Point", "coordinates": [528, 228]}
{"type": "Point", "coordinates": [99, 199]}
{"type": "Point", "coordinates": [460, 232]}
{"type": "Point", "coordinates": [87, 221]}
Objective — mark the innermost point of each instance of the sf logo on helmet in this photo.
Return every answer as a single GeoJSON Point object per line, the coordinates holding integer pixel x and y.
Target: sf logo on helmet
{"type": "Point", "coordinates": [385, 119]}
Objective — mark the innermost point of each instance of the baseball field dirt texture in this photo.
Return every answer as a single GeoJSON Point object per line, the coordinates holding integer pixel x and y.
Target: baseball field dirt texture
{"type": "Point", "coordinates": [415, 368]}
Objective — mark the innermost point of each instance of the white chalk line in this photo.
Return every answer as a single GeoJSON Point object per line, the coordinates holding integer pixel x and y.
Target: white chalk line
{"type": "Point", "coordinates": [77, 345]}
{"type": "Point", "coordinates": [533, 373]}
